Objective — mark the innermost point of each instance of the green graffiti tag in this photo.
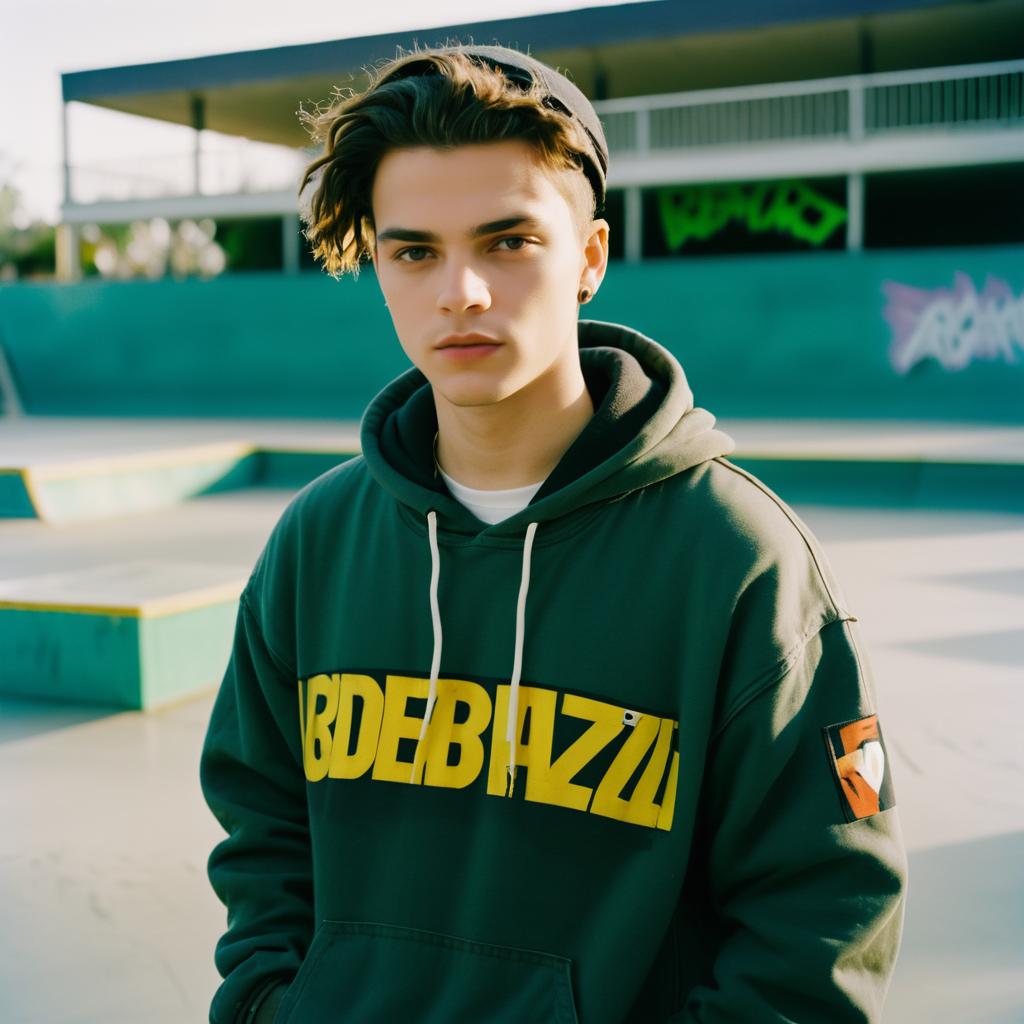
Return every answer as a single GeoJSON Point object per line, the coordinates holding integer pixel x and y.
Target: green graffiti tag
{"type": "Point", "coordinates": [699, 211]}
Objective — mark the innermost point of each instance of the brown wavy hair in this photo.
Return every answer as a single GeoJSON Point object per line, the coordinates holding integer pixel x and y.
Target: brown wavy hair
{"type": "Point", "coordinates": [467, 101]}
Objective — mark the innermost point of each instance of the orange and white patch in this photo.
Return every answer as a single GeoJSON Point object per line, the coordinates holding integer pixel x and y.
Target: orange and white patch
{"type": "Point", "coordinates": [860, 766]}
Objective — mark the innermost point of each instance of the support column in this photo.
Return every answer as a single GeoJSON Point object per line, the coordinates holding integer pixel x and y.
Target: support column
{"type": "Point", "coordinates": [290, 239]}
{"type": "Point", "coordinates": [198, 123]}
{"type": "Point", "coordinates": [634, 227]}
{"type": "Point", "coordinates": [65, 156]}
{"type": "Point", "coordinates": [855, 211]}
{"type": "Point", "coordinates": [67, 257]}
{"type": "Point", "coordinates": [856, 130]}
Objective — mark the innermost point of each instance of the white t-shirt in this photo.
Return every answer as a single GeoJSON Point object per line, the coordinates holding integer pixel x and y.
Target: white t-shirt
{"type": "Point", "coordinates": [491, 506]}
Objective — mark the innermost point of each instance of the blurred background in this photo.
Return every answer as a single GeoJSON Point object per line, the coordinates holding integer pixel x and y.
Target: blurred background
{"type": "Point", "coordinates": [817, 205]}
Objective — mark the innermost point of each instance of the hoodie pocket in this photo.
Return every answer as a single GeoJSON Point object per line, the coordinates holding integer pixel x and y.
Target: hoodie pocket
{"type": "Point", "coordinates": [364, 972]}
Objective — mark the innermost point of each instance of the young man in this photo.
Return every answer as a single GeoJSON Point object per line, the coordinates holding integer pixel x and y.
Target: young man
{"type": "Point", "coordinates": [540, 709]}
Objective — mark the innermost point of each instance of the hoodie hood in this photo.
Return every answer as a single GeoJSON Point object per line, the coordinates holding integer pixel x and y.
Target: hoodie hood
{"type": "Point", "coordinates": [645, 428]}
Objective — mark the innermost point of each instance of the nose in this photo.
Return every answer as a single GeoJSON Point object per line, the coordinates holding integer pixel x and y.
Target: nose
{"type": "Point", "coordinates": [462, 288]}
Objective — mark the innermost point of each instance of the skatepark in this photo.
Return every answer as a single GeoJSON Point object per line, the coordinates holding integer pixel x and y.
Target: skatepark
{"type": "Point", "coordinates": [789, 221]}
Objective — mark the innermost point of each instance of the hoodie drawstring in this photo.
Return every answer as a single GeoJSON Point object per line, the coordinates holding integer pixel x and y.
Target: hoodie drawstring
{"type": "Point", "coordinates": [517, 665]}
{"type": "Point", "coordinates": [517, 662]}
{"type": "Point", "coordinates": [435, 615]}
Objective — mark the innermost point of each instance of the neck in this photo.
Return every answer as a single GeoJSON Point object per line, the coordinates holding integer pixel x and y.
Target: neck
{"type": "Point", "coordinates": [519, 440]}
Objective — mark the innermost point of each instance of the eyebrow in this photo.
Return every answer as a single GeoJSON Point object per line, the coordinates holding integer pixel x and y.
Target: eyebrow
{"type": "Point", "coordinates": [492, 226]}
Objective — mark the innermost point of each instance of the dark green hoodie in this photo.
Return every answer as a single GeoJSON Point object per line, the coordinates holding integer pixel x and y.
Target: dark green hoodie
{"type": "Point", "coordinates": [696, 821]}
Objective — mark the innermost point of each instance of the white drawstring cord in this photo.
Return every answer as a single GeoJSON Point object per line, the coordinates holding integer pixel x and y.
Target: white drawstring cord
{"type": "Point", "coordinates": [517, 665]}
{"type": "Point", "coordinates": [435, 614]}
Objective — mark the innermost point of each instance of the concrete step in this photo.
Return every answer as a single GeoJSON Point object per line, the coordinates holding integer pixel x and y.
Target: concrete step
{"type": "Point", "coordinates": [66, 469]}
{"type": "Point", "coordinates": [885, 463]}
{"type": "Point", "coordinates": [134, 612]}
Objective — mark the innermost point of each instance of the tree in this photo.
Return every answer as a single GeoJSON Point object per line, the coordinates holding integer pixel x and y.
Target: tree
{"type": "Point", "coordinates": [27, 247]}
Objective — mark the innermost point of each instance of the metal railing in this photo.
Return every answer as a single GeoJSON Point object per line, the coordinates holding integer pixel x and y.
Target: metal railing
{"type": "Point", "coordinates": [227, 170]}
{"type": "Point", "coordinates": [916, 101]}
{"type": "Point", "coordinates": [851, 107]}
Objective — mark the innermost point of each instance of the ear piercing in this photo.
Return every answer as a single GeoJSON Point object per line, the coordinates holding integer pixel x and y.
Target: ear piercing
{"type": "Point", "coordinates": [583, 296]}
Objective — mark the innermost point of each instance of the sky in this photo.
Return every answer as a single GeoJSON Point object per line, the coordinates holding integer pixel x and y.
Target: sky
{"type": "Point", "coordinates": [42, 38]}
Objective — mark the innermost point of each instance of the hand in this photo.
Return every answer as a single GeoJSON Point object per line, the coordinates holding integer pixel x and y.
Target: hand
{"type": "Point", "coordinates": [267, 1011]}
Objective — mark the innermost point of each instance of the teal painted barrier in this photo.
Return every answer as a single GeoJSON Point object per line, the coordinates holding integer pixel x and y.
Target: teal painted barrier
{"type": "Point", "coordinates": [61, 655]}
{"type": "Point", "coordinates": [928, 334]}
{"type": "Point", "coordinates": [898, 483]}
{"type": "Point", "coordinates": [126, 661]}
{"type": "Point", "coordinates": [238, 346]}
{"type": "Point", "coordinates": [924, 334]}
{"type": "Point", "coordinates": [120, 487]}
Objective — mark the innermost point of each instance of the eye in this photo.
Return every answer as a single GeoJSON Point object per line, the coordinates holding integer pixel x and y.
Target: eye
{"type": "Point", "coordinates": [515, 238]}
{"type": "Point", "coordinates": [415, 248]}
{"type": "Point", "coordinates": [399, 256]}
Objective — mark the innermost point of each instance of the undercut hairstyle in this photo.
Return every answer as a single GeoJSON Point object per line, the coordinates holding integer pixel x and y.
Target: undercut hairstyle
{"type": "Point", "coordinates": [466, 102]}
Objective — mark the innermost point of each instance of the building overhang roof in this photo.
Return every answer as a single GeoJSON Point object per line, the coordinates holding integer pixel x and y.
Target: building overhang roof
{"type": "Point", "coordinates": [257, 93]}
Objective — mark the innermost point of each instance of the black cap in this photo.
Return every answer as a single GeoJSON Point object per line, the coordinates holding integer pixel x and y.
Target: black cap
{"type": "Point", "coordinates": [561, 95]}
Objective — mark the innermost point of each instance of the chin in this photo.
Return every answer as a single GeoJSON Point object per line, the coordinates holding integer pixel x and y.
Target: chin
{"type": "Point", "coordinates": [467, 398]}
{"type": "Point", "coordinates": [468, 393]}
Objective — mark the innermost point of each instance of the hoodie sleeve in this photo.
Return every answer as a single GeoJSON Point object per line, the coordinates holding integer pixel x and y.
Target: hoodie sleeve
{"type": "Point", "coordinates": [253, 781]}
{"type": "Point", "coordinates": [803, 851]}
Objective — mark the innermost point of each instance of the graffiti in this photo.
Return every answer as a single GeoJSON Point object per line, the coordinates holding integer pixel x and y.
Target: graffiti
{"type": "Point", "coordinates": [790, 207]}
{"type": "Point", "coordinates": [954, 327]}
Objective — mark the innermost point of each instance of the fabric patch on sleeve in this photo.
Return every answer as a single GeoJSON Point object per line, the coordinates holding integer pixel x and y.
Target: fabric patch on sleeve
{"type": "Point", "coordinates": [860, 766]}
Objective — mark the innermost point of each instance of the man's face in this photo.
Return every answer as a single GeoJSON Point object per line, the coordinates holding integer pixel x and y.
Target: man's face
{"type": "Point", "coordinates": [514, 282]}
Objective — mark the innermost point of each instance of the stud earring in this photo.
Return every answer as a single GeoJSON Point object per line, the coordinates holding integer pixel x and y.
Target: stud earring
{"type": "Point", "coordinates": [583, 296]}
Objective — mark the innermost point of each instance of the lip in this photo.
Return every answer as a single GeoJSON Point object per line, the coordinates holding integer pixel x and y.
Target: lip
{"type": "Point", "coordinates": [467, 351]}
{"type": "Point", "coordinates": [472, 340]}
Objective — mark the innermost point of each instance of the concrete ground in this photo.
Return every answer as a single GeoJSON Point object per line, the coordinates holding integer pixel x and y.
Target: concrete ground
{"type": "Point", "coordinates": [109, 917]}
{"type": "Point", "coordinates": [43, 441]}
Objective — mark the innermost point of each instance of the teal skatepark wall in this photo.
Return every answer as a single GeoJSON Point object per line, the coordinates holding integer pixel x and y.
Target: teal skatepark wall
{"type": "Point", "coordinates": [916, 334]}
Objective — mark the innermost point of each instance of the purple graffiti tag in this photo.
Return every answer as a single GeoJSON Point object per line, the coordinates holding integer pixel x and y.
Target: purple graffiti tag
{"type": "Point", "coordinates": [954, 326]}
